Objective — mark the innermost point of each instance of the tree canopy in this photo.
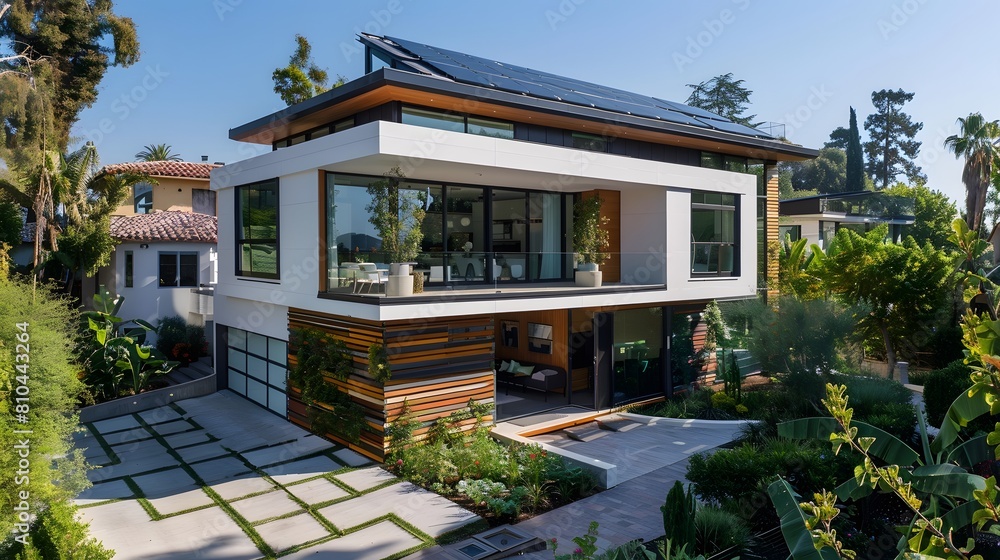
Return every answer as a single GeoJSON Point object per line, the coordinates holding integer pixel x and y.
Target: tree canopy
{"type": "Point", "coordinates": [75, 41]}
{"type": "Point", "coordinates": [977, 143]}
{"type": "Point", "coordinates": [723, 96]}
{"type": "Point", "coordinates": [302, 78]}
{"type": "Point", "coordinates": [855, 178]}
{"type": "Point", "coordinates": [933, 213]}
{"type": "Point", "coordinates": [825, 174]}
{"type": "Point", "coordinates": [891, 149]}
{"type": "Point", "coordinates": [157, 152]}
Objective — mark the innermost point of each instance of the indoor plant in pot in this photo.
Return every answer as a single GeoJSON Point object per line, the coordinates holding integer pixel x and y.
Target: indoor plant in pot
{"type": "Point", "coordinates": [397, 214]}
{"type": "Point", "coordinates": [590, 240]}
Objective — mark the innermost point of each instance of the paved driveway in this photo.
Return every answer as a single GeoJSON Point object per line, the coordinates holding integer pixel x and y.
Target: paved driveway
{"type": "Point", "coordinates": [218, 477]}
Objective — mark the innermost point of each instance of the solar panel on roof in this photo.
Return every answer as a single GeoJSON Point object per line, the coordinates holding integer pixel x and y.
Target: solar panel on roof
{"type": "Point", "coordinates": [521, 80]}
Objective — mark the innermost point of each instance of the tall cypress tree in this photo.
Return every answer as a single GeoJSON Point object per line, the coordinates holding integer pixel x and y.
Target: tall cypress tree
{"type": "Point", "coordinates": [855, 157]}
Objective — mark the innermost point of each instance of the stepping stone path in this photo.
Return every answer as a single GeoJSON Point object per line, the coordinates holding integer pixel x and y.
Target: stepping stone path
{"type": "Point", "coordinates": [219, 477]}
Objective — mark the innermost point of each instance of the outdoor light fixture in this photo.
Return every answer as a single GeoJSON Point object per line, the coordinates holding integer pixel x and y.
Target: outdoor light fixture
{"type": "Point", "coordinates": [144, 246]}
{"type": "Point", "coordinates": [465, 221]}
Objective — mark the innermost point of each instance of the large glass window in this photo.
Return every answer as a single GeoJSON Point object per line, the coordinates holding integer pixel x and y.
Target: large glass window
{"type": "Point", "coordinates": [713, 234]}
{"type": "Point", "coordinates": [177, 269]}
{"type": "Point", "coordinates": [589, 142]}
{"type": "Point", "coordinates": [433, 119]}
{"type": "Point", "coordinates": [257, 230]}
{"type": "Point", "coordinates": [129, 273]}
{"type": "Point", "coordinates": [638, 353]}
{"type": "Point", "coordinates": [455, 122]}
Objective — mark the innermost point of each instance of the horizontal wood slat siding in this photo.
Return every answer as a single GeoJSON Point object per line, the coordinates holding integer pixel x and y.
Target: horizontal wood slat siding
{"type": "Point", "coordinates": [438, 365]}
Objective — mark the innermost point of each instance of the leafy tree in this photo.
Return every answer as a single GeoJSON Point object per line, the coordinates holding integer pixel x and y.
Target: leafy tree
{"type": "Point", "coordinates": [397, 215]}
{"type": "Point", "coordinates": [75, 41]}
{"type": "Point", "coordinates": [825, 174]}
{"type": "Point", "coordinates": [933, 213]}
{"type": "Point", "coordinates": [11, 223]}
{"type": "Point", "coordinates": [891, 148]}
{"type": "Point", "coordinates": [66, 47]}
{"type": "Point", "coordinates": [157, 152]}
{"type": "Point", "coordinates": [855, 158]}
{"type": "Point", "coordinates": [723, 96]}
{"type": "Point", "coordinates": [302, 78]}
{"type": "Point", "coordinates": [797, 270]}
{"type": "Point", "coordinates": [976, 142]}
{"type": "Point", "coordinates": [901, 287]}
{"type": "Point", "coordinates": [839, 138]}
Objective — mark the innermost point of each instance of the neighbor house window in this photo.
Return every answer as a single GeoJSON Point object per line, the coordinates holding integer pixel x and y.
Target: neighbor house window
{"type": "Point", "coordinates": [713, 234]}
{"type": "Point", "coordinates": [129, 263]}
{"type": "Point", "coordinates": [177, 269]}
{"type": "Point", "coordinates": [143, 198]}
{"type": "Point", "coordinates": [589, 142]}
{"type": "Point", "coordinates": [791, 233]}
{"type": "Point", "coordinates": [257, 229]}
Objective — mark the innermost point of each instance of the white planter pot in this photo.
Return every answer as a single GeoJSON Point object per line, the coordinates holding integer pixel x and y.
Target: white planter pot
{"type": "Point", "coordinates": [587, 267]}
{"type": "Point", "coordinates": [399, 285]}
{"type": "Point", "coordinates": [588, 278]}
{"type": "Point", "coordinates": [399, 269]}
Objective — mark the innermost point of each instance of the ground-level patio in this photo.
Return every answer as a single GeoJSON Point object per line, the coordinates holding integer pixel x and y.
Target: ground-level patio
{"type": "Point", "coordinates": [218, 477]}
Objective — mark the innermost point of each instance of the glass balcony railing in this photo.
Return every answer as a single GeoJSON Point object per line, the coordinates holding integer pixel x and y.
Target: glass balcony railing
{"type": "Point", "coordinates": [472, 270]}
{"type": "Point", "coordinates": [876, 205]}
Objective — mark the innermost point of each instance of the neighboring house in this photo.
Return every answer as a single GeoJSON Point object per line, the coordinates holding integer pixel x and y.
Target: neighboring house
{"type": "Point", "coordinates": [817, 218]}
{"type": "Point", "coordinates": [500, 153]}
{"type": "Point", "coordinates": [165, 261]}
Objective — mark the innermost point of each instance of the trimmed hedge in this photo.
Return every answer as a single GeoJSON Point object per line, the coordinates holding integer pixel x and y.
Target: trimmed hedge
{"type": "Point", "coordinates": [942, 387]}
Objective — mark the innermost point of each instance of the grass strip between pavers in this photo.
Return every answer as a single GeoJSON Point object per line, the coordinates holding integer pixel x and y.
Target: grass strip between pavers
{"type": "Point", "coordinates": [99, 437]}
{"type": "Point", "coordinates": [463, 532]}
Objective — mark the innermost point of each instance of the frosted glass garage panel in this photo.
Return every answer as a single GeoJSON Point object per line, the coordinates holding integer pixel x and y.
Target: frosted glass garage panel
{"type": "Point", "coordinates": [276, 401]}
{"type": "Point", "coordinates": [257, 344]}
{"type": "Point", "coordinates": [257, 368]}
{"type": "Point", "coordinates": [238, 339]}
{"type": "Point", "coordinates": [237, 360]}
{"type": "Point", "coordinates": [257, 392]}
{"type": "Point", "coordinates": [237, 382]}
{"type": "Point", "coordinates": [276, 376]}
{"type": "Point", "coordinates": [277, 351]}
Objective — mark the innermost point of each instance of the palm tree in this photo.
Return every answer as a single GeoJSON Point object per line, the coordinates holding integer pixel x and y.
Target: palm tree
{"type": "Point", "coordinates": [977, 142]}
{"type": "Point", "coordinates": [157, 152]}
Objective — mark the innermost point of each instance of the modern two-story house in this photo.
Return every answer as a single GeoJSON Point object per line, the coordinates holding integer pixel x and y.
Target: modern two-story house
{"type": "Point", "coordinates": [497, 154]}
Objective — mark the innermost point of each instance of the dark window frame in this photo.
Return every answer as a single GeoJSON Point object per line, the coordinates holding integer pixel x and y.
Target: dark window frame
{"type": "Point", "coordinates": [735, 245]}
{"type": "Point", "coordinates": [129, 269]}
{"type": "Point", "coordinates": [242, 271]}
{"type": "Point", "coordinates": [465, 120]}
{"type": "Point", "coordinates": [178, 277]}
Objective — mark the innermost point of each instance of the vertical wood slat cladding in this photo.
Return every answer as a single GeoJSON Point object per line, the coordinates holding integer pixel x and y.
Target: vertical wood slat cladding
{"type": "Point", "coordinates": [771, 228]}
{"type": "Point", "coordinates": [438, 365]}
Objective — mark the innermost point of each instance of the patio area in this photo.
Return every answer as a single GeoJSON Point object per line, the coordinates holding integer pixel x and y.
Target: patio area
{"type": "Point", "coordinates": [218, 477]}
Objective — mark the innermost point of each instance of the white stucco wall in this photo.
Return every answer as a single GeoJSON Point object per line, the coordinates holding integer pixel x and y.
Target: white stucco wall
{"type": "Point", "coordinates": [655, 202]}
{"type": "Point", "coordinates": [146, 299]}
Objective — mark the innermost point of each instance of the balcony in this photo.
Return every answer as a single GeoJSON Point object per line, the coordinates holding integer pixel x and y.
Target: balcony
{"type": "Point", "coordinates": [879, 206]}
{"type": "Point", "coordinates": [473, 275]}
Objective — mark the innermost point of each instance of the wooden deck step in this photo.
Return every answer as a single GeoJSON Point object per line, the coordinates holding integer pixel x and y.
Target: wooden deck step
{"type": "Point", "coordinates": [616, 423]}
{"type": "Point", "coordinates": [586, 432]}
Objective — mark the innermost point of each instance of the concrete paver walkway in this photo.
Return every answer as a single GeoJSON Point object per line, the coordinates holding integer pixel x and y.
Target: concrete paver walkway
{"type": "Point", "coordinates": [653, 456]}
{"type": "Point", "coordinates": [218, 477]}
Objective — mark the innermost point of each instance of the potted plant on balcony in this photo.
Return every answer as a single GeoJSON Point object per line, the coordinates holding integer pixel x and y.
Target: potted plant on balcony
{"type": "Point", "coordinates": [590, 240]}
{"type": "Point", "coordinates": [397, 215]}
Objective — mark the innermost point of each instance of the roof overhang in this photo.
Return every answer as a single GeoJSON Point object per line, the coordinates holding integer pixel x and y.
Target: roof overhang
{"type": "Point", "coordinates": [387, 84]}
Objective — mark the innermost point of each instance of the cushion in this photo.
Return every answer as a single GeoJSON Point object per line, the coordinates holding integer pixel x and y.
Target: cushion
{"type": "Point", "coordinates": [512, 367]}
{"type": "Point", "coordinates": [520, 374]}
{"type": "Point", "coordinates": [504, 366]}
{"type": "Point", "coordinates": [525, 370]}
{"type": "Point", "coordinates": [542, 374]}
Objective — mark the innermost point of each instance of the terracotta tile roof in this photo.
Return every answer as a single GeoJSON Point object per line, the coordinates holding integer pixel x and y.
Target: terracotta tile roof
{"type": "Point", "coordinates": [163, 168]}
{"type": "Point", "coordinates": [166, 226]}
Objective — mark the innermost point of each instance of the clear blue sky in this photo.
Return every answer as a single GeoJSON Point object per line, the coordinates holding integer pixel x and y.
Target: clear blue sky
{"type": "Point", "coordinates": [206, 66]}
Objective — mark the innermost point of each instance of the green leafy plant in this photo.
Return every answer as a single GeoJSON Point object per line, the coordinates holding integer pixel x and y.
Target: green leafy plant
{"type": "Point", "coordinates": [378, 363]}
{"type": "Point", "coordinates": [716, 530]}
{"type": "Point", "coordinates": [58, 535]}
{"type": "Point", "coordinates": [397, 214]}
{"type": "Point", "coordinates": [679, 516]}
{"type": "Point", "coordinates": [331, 410]}
{"type": "Point", "coordinates": [590, 235]}
{"type": "Point", "coordinates": [179, 341]}
{"type": "Point", "coordinates": [116, 359]}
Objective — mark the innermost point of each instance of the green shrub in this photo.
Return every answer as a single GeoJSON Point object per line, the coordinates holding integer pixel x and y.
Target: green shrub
{"type": "Point", "coordinates": [735, 476]}
{"type": "Point", "coordinates": [58, 535]}
{"type": "Point", "coordinates": [717, 530]}
{"type": "Point", "coordinates": [942, 387]}
{"type": "Point", "coordinates": [678, 516]}
{"type": "Point", "coordinates": [180, 341]}
{"type": "Point", "coordinates": [881, 402]}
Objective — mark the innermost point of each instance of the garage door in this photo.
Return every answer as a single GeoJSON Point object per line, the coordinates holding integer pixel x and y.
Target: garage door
{"type": "Point", "coordinates": [257, 368]}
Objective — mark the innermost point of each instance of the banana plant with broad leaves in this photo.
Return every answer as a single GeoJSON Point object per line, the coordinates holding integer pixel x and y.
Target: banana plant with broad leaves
{"type": "Point", "coordinates": [116, 358]}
